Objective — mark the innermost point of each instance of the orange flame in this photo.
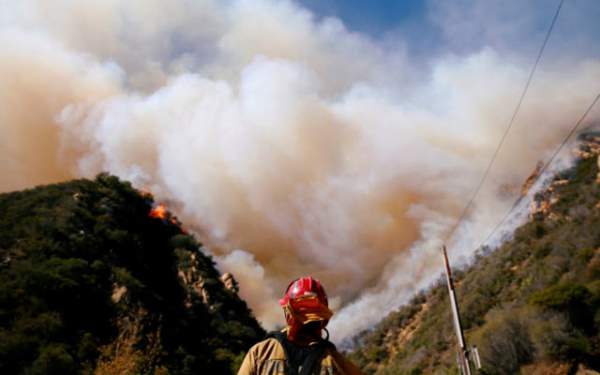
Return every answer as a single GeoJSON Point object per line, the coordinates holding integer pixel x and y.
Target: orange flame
{"type": "Point", "coordinates": [159, 212]}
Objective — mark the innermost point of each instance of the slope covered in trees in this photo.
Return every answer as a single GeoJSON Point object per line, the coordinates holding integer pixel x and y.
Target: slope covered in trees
{"type": "Point", "coordinates": [91, 284]}
{"type": "Point", "coordinates": [531, 306]}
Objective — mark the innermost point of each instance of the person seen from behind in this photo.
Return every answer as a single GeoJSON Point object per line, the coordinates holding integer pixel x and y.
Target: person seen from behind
{"type": "Point", "coordinates": [300, 348]}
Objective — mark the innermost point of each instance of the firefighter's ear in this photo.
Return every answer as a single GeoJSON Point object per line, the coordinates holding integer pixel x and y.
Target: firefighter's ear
{"type": "Point", "coordinates": [287, 313]}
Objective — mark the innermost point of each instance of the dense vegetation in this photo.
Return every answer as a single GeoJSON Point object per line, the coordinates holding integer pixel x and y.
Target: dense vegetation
{"type": "Point", "coordinates": [531, 306]}
{"type": "Point", "coordinates": [90, 284]}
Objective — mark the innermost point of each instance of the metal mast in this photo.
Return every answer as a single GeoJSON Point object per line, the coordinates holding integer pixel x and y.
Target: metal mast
{"type": "Point", "coordinates": [462, 351]}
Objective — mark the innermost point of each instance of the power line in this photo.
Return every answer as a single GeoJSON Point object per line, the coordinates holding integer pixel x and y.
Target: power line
{"type": "Point", "coordinates": [543, 169]}
{"type": "Point", "coordinates": [510, 124]}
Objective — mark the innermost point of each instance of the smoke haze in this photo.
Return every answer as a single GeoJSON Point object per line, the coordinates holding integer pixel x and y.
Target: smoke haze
{"type": "Point", "coordinates": [290, 144]}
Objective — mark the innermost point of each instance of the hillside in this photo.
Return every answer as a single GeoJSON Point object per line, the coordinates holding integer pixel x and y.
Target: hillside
{"type": "Point", "coordinates": [92, 283]}
{"type": "Point", "coordinates": [532, 306]}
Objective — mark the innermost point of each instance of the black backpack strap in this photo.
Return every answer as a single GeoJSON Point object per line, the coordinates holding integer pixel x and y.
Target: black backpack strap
{"type": "Point", "coordinates": [313, 356]}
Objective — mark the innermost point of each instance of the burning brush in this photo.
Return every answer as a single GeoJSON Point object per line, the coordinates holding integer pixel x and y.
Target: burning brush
{"type": "Point", "coordinates": [160, 211]}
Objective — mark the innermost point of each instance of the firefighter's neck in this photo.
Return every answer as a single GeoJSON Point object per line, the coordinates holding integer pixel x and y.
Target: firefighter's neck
{"type": "Point", "coordinates": [307, 334]}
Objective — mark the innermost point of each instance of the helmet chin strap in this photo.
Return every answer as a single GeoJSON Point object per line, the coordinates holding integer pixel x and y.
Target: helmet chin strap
{"type": "Point", "coordinates": [307, 332]}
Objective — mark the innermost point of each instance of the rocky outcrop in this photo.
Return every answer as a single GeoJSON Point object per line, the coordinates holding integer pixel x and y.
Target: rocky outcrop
{"type": "Point", "coordinates": [230, 282]}
{"type": "Point", "coordinates": [588, 147]}
{"type": "Point", "coordinates": [193, 280]}
{"type": "Point", "coordinates": [543, 201]}
{"type": "Point", "coordinates": [118, 293]}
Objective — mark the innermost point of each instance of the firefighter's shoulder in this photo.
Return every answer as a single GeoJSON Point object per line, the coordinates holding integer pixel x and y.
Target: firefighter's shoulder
{"type": "Point", "coordinates": [265, 357]}
{"type": "Point", "coordinates": [268, 349]}
{"type": "Point", "coordinates": [339, 364]}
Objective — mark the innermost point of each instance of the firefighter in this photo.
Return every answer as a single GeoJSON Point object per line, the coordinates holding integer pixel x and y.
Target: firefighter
{"type": "Point", "coordinates": [300, 348]}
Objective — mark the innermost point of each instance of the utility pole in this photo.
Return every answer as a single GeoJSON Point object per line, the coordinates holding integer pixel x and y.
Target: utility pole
{"type": "Point", "coordinates": [463, 352]}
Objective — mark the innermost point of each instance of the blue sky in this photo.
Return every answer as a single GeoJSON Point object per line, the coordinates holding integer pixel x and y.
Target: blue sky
{"type": "Point", "coordinates": [371, 17]}
{"type": "Point", "coordinates": [431, 27]}
{"type": "Point", "coordinates": [392, 21]}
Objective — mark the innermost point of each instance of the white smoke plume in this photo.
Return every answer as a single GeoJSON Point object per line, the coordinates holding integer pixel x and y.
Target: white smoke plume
{"type": "Point", "coordinates": [315, 149]}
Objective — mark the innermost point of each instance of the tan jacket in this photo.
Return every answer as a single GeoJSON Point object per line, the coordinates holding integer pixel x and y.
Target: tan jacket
{"type": "Point", "coordinates": [268, 358]}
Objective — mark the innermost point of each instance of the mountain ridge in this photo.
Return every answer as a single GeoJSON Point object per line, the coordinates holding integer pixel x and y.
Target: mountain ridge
{"type": "Point", "coordinates": [92, 283]}
{"type": "Point", "coordinates": [532, 305]}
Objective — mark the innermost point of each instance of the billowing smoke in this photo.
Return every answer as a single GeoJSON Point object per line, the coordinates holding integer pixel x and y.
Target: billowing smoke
{"type": "Point", "coordinates": [313, 149]}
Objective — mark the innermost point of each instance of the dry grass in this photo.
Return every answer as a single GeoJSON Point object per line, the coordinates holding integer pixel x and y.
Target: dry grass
{"type": "Point", "coordinates": [123, 357]}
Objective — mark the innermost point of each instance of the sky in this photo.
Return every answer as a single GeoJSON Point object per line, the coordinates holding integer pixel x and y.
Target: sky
{"type": "Point", "coordinates": [383, 20]}
{"type": "Point", "coordinates": [433, 27]}
{"type": "Point", "coordinates": [372, 17]}
{"type": "Point", "coordinates": [336, 139]}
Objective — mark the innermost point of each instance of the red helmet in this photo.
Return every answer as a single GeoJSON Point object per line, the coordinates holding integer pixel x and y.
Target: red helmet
{"type": "Point", "coordinates": [305, 301]}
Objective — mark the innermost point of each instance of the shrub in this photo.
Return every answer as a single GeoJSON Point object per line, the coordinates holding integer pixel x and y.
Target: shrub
{"type": "Point", "coordinates": [503, 342]}
{"type": "Point", "coordinates": [568, 297]}
{"type": "Point", "coordinates": [53, 360]}
{"type": "Point", "coordinates": [555, 338]}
